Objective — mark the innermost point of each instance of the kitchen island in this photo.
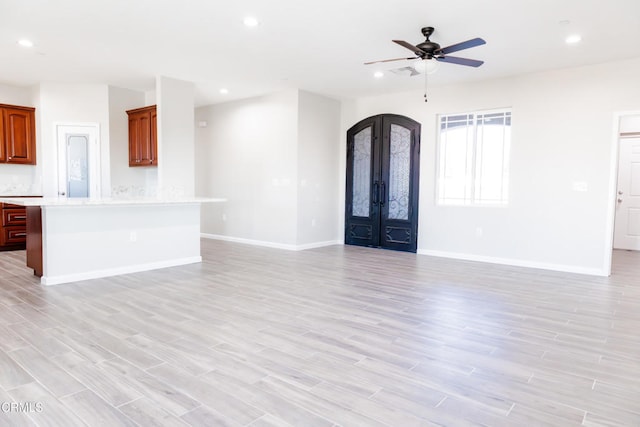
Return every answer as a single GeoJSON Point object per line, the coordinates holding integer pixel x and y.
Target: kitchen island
{"type": "Point", "coordinates": [70, 240]}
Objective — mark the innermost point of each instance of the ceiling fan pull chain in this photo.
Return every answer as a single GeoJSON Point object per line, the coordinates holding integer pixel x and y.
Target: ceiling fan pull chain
{"type": "Point", "coordinates": [425, 82]}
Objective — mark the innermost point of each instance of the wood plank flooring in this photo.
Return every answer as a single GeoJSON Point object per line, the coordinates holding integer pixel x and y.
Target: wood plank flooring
{"type": "Point", "coordinates": [338, 335]}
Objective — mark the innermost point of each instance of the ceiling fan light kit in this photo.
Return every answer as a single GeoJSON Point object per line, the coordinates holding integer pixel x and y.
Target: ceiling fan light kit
{"type": "Point", "coordinates": [428, 66]}
{"type": "Point", "coordinates": [428, 52]}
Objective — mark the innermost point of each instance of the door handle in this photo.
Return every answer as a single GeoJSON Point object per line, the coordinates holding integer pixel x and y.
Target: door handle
{"type": "Point", "coordinates": [383, 193]}
{"type": "Point", "coordinates": [375, 193]}
{"type": "Point", "coordinates": [619, 200]}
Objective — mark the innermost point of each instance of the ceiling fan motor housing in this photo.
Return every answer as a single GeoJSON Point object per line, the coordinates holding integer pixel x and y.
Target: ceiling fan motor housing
{"type": "Point", "coordinates": [427, 46]}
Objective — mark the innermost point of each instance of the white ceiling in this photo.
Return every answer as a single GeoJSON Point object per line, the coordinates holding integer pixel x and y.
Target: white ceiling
{"type": "Point", "coordinates": [318, 46]}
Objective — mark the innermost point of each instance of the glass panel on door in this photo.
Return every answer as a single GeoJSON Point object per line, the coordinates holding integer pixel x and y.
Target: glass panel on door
{"type": "Point", "coordinates": [399, 172]}
{"type": "Point", "coordinates": [362, 173]}
{"type": "Point", "coordinates": [77, 166]}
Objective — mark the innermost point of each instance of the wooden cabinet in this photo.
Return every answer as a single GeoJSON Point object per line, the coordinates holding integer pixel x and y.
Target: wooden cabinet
{"type": "Point", "coordinates": [143, 140]}
{"type": "Point", "coordinates": [17, 135]}
{"type": "Point", "coordinates": [34, 239]}
{"type": "Point", "coordinates": [13, 233]}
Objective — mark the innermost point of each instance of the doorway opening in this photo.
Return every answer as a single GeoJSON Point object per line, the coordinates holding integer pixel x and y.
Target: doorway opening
{"type": "Point", "coordinates": [624, 219]}
{"type": "Point", "coordinates": [383, 170]}
{"type": "Point", "coordinates": [627, 218]}
{"type": "Point", "coordinates": [78, 160]}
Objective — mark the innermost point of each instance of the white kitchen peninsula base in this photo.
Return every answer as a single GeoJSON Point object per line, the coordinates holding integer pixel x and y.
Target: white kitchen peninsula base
{"type": "Point", "coordinates": [69, 240]}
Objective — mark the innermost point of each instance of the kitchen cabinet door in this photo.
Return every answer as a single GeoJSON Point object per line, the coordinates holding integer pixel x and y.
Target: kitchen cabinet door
{"type": "Point", "coordinates": [143, 137]}
{"type": "Point", "coordinates": [19, 135]}
{"type": "Point", "coordinates": [13, 230]}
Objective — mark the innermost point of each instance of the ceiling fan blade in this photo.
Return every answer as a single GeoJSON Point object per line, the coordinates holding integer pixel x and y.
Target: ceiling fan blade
{"type": "Point", "coordinates": [387, 60]}
{"type": "Point", "coordinates": [460, 46]}
{"type": "Point", "coordinates": [409, 46]}
{"type": "Point", "coordinates": [460, 61]}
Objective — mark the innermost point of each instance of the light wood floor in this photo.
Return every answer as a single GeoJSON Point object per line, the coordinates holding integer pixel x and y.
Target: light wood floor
{"type": "Point", "coordinates": [331, 336]}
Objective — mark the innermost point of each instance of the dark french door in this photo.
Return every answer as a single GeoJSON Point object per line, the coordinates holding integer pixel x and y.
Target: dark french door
{"type": "Point", "coordinates": [383, 169]}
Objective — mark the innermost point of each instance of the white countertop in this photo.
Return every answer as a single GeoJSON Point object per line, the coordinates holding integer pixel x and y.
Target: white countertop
{"type": "Point", "coordinates": [63, 201]}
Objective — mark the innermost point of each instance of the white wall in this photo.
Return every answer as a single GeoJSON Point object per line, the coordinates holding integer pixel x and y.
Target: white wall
{"type": "Point", "coordinates": [125, 180]}
{"type": "Point", "coordinates": [318, 168]}
{"type": "Point", "coordinates": [176, 175]}
{"type": "Point", "coordinates": [562, 137]}
{"type": "Point", "coordinates": [276, 158]}
{"type": "Point", "coordinates": [20, 180]}
{"type": "Point", "coordinates": [16, 95]}
{"type": "Point", "coordinates": [58, 103]}
{"type": "Point", "coordinates": [247, 153]}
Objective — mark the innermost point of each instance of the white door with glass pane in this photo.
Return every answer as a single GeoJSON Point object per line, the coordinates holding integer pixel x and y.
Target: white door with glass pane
{"type": "Point", "coordinates": [78, 160]}
{"type": "Point", "coordinates": [627, 226]}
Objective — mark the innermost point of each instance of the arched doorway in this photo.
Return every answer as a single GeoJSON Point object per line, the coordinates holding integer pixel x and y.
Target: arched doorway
{"type": "Point", "coordinates": [383, 169]}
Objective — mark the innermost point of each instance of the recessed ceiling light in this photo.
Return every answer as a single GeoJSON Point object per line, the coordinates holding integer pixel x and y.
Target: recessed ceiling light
{"type": "Point", "coordinates": [378, 74]}
{"type": "Point", "coordinates": [25, 43]}
{"type": "Point", "coordinates": [250, 21]}
{"type": "Point", "coordinates": [224, 91]}
{"type": "Point", "coordinates": [573, 39]}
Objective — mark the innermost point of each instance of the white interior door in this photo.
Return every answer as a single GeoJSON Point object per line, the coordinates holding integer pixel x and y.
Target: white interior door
{"type": "Point", "coordinates": [627, 222]}
{"type": "Point", "coordinates": [78, 161]}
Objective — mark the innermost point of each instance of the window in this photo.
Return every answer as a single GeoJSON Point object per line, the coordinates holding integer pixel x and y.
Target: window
{"type": "Point", "coordinates": [474, 158]}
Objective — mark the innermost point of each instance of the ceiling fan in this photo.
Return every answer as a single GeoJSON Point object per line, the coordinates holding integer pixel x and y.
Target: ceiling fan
{"type": "Point", "coordinates": [431, 50]}
{"type": "Point", "coordinates": [428, 50]}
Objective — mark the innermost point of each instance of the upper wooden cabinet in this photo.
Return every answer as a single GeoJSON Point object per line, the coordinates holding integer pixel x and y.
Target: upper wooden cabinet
{"type": "Point", "coordinates": [143, 141]}
{"type": "Point", "coordinates": [17, 135]}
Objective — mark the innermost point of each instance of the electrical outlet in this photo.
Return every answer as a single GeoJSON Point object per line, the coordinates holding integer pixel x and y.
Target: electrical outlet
{"type": "Point", "coordinates": [133, 236]}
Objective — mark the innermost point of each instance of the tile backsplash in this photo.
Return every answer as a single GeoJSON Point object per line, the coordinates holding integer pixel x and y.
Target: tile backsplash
{"type": "Point", "coordinates": [16, 189]}
{"type": "Point", "coordinates": [126, 191]}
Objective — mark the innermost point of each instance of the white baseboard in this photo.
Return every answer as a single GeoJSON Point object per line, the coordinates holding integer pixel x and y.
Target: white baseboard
{"type": "Point", "coordinates": [441, 254]}
{"type": "Point", "coordinates": [266, 244]}
{"type": "Point", "coordinates": [515, 262]}
{"type": "Point", "coordinates": [317, 245]}
{"type": "Point", "coordinates": [67, 278]}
